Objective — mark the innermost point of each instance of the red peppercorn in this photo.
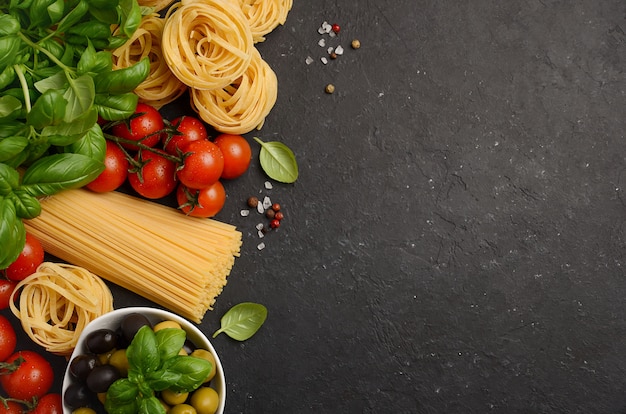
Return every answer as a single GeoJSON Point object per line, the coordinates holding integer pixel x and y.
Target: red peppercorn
{"type": "Point", "coordinates": [276, 207]}
{"type": "Point", "coordinates": [279, 215]}
{"type": "Point", "coordinates": [335, 28]}
{"type": "Point", "coordinates": [275, 224]}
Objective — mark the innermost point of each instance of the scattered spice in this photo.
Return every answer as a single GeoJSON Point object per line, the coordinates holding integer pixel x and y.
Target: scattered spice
{"type": "Point", "coordinates": [253, 202]}
{"type": "Point", "coordinates": [335, 28]}
{"type": "Point", "coordinates": [275, 224]}
{"type": "Point", "coordinates": [276, 207]}
{"type": "Point", "coordinates": [330, 88]}
{"type": "Point", "coordinates": [333, 55]}
{"type": "Point", "coordinates": [270, 214]}
{"type": "Point", "coordinates": [356, 43]}
{"type": "Point", "coordinates": [279, 215]}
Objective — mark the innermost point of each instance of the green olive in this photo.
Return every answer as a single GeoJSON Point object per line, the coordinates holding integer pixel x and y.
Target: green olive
{"type": "Point", "coordinates": [166, 324]}
{"type": "Point", "coordinates": [173, 397]}
{"type": "Point", "coordinates": [119, 360]}
{"type": "Point", "coordinates": [84, 410]}
{"type": "Point", "coordinates": [205, 400]}
{"type": "Point", "coordinates": [206, 355]}
{"type": "Point", "coordinates": [182, 409]}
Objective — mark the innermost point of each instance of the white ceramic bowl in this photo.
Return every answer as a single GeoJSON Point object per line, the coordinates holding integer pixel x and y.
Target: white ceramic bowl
{"type": "Point", "coordinates": [112, 320]}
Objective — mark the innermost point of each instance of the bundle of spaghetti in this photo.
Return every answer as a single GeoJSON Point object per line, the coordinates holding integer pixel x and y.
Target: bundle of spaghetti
{"type": "Point", "coordinates": [207, 44]}
{"type": "Point", "coordinates": [176, 261]}
{"type": "Point", "coordinates": [155, 5]}
{"type": "Point", "coordinates": [243, 105]}
{"type": "Point", "coordinates": [57, 301]}
{"type": "Point", "coordinates": [264, 15]}
{"type": "Point", "coordinates": [161, 86]}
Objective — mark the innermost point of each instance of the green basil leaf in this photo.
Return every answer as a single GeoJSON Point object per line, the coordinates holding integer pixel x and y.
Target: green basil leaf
{"type": "Point", "coordinates": [10, 106]}
{"type": "Point", "coordinates": [54, 173]}
{"type": "Point", "coordinates": [130, 14]}
{"type": "Point", "coordinates": [105, 14]}
{"type": "Point", "coordinates": [90, 30]}
{"type": "Point", "coordinates": [116, 107]}
{"type": "Point", "coordinates": [94, 62]}
{"type": "Point", "coordinates": [183, 373]}
{"type": "Point", "coordinates": [9, 179]}
{"type": "Point", "coordinates": [9, 25]}
{"type": "Point", "coordinates": [123, 80]}
{"type": "Point", "coordinates": [53, 47]}
{"type": "Point", "coordinates": [44, 13]}
{"type": "Point", "coordinates": [142, 353]}
{"type": "Point", "coordinates": [11, 146]}
{"type": "Point", "coordinates": [92, 144]}
{"type": "Point", "coordinates": [9, 50]}
{"type": "Point", "coordinates": [7, 77]}
{"type": "Point", "coordinates": [56, 81]}
{"type": "Point", "coordinates": [73, 16]}
{"type": "Point", "coordinates": [26, 206]}
{"type": "Point", "coordinates": [242, 320]}
{"type": "Point", "coordinates": [103, 4]}
{"type": "Point", "coordinates": [79, 96]}
{"type": "Point", "coordinates": [12, 233]}
{"type": "Point", "coordinates": [122, 397]}
{"type": "Point", "coordinates": [49, 109]}
{"type": "Point", "coordinates": [151, 405]}
{"type": "Point", "coordinates": [278, 161]}
{"type": "Point", "coordinates": [169, 342]}
{"type": "Point", "coordinates": [66, 133]}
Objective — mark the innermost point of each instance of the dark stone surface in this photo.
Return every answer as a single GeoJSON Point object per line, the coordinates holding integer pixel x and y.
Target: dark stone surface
{"type": "Point", "coordinates": [455, 241]}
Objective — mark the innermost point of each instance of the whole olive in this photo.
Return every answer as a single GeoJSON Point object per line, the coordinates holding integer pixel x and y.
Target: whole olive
{"type": "Point", "coordinates": [120, 361]}
{"type": "Point", "coordinates": [101, 378]}
{"type": "Point", "coordinates": [174, 397]}
{"type": "Point", "coordinates": [77, 395]}
{"type": "Point", "coordinates": [208, 356]}
{"type": "Point", "coordinates": [84, 410]}
{"type": "Point", "coordinates": [101, 341]}
{"type": "Point", "coordinates": [205, 400]}
{"type": "Point", "coordinates": [182, 409]}
{"type": "Point", "coordinates": [132, 323]}
{"type": "Point", "coordinates": [81, 366]}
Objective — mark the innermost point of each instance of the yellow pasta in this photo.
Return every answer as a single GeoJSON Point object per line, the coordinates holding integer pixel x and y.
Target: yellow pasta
{"type": "Point", "coordinates": [242, 106]}
{"type": "Point", "coordinates": [177, 261]}
{"type": "Point", "coordinates": [264, 15]}
{"type": "Point", "coordinates": [207, 44]}
{"type": "Point", "coordinates": [57, 302]}
{"type": "Point", "coordinates": [161, 86]}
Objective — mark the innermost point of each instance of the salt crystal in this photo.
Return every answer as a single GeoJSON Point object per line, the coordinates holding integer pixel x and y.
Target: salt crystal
{"type": "Point", "coordinates": [268, 185]}
{"type": "Point", "coordinates": [259, 226]}
{"type": "Point", "coordinates": [325, 28]}
{"type": "Point", "coordinates": [261, 246]}
{"type": "Point", "coordinates": [267, 203]}
{"type": "Point", "coordinates": [324, 60]}
{"type": "Point", "coordinates": [261, 234]}
{"type": "Point", "coordinates": [330, 50]}
{"type": "Point", "coordinates": [339, 50]}
{"type": "Point", "coordinates": [331, 33]}
{"type": "Point", "coordinates": [309, 60]}
{"type": "Point", "coordinates": [322, 42]}
{"type": "Point", "coordinates": [260, 209]}
{"type": "Point", "coordinates": [245, 213]}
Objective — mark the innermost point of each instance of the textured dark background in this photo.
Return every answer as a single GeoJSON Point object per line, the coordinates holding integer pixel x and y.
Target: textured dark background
{"type": "Point", "coordinates": [455, 242]}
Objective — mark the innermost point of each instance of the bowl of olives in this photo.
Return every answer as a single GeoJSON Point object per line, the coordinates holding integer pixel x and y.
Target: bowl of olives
{"type": "Point", "coordinates": [141, 359]}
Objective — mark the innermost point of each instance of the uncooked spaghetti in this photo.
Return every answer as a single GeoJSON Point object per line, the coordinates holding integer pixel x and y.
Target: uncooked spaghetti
{"type": "Point", "coordinates": [264, 15]}
{"type": "Point", "coordinates": [243, 105]}
{"type": "Point", "coordinates": [207, 44]}
{"type": "Point", "coordinates": [177, 261]}
{"type": "Point", "coordinates": [57, 301]}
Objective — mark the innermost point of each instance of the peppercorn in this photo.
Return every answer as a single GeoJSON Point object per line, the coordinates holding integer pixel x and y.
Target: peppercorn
{"type": "Point", "coordinates": [270, 214]}
{"type": "Point", "coordinates": [330, 88]}
{"type": "Point", "coordinates": [253, 202]}
{"type": "Point", "coordinates": [276, 207]}
{"type": "Point", "coordinates": [275, 224]}
{"type": "Point", "coordinates": [333, 55]}
{"type": "Point", "coordinates": [335, 28]}
{"type": "Point", "coordinates": [355, 44]}
{"type": "Point", "coordinates": [279, 215]}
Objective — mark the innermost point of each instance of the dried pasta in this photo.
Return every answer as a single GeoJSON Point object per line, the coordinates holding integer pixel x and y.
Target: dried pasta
{"type": "Point", "coordinates": [57, 301]}
{"type": "Point", "coordinates": [177, 261]}
{"type": "Point", "coordinates": [161, 86]}
{"type": "Point", "coordinates": [207, 44]}
{"type": "Point", "coordinates": [243, 105]}
{"type": "Point", "coordinates": [264, 15]}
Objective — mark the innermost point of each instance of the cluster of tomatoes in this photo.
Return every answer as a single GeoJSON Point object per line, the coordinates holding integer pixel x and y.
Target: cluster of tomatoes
{"type": "Point", "coordinates": [158, 157]}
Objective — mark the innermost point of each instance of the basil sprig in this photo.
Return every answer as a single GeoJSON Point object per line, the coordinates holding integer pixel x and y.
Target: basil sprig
{"type": "Point", "coordinates": [56, 78]}
{"type": "Point", "coordinates": [242, 320]}
{"type": "Point", "coordinates": [155, 365]}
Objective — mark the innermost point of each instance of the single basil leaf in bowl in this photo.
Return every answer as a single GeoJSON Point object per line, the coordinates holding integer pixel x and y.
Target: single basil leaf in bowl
{"type": "Point", "coordinates": [278, 161]}
{"type": "Point", "coordinates": [242, 320]}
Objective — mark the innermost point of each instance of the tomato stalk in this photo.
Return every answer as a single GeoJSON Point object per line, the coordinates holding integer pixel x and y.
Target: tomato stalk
{"type": "Point", "coordinates": [141, 146]}
{"type": "Point", "coordinates": [30, 405]}
{"type": "Point", "coordinates": [9, 367]}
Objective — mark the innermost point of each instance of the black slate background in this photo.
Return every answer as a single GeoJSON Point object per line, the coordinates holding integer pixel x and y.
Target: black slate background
{"type": "Point", "coordinates": [455, 241]}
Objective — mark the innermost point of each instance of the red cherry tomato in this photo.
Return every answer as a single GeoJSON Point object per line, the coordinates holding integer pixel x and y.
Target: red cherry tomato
{"type": "Point", "coordinates": [8, 338]}
{"type": "Point", "coordinates": [6, 289]}
{"type": "Point", "coordinates": [202, 164]}
{"type": "Point", "coordinates": [115, 170]}
{"type": "Point", "coordinates": [158, 175]}
{"type": "Point", "coordinates": [145, 125]}
{"type": "Point", "coordinates": [187, 129]}
{"type": "Point", "coordinates": [237, 154]}
{"type": "Point", "coordinates": [33, 377]}
{"type": "Point", "coordinates": [49, 404]}
{"type": "Point", "coordinates": [28, 261]}
{"type": "Point", "coordinates": [11, 407]}
{"type": "Point", "coordinates": [206, 202]}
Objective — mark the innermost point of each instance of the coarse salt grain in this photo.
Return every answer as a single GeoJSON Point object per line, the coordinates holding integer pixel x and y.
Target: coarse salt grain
{"type": "Point", "coordinates": [259, 226]}
{"type": "Point", "coordinates": [260, 246]}
{"type": "Point", "coordinates": [324, 60]}
{"type": "Point", "coordinates": [267, 203]}
{"type": "Point", "coordinates": [268, 185]}
{"type": "Point", "coordinates": [322, 42]}
{"type": "Point", "coordinates": [260, 209]}
{"type": "Point", "coordinates": [244, 213]}
{"type": "Point", "coordinates": [261, 234]}
{"type": "Point", "coordinates": [339, 50]}
{"type": "Point", "coordinates": [309, 60]}
{"type": "Point", "coordinates": [330, 50]}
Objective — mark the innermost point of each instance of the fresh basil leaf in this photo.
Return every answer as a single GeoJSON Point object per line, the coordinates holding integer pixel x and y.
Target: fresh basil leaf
{"type": "Point", "coordinates": [103, 4]}
{"type": "Point", "coordinates": [151, 405]}
{"type": "Point", "coordinates": [79, 96]}
{"type": "Point", "coordinates": [130, 14]}
{"type": "Point", "coordinates": [54, 47]}
{"type": "Point", "coordinates": [55, 81]}
{"type": "Point", "coordinates": [54, 173]}
{"type": "Point", "coordinates": [242, 320]}
{"type": "Point", "coordinates": [90, 30]}
{"type": "Point", "coordinates": [73, 16]}
{"type": "Point", "coordinates": [49, 109]}
{"type": "Point", "coordinates": [44, 13]}
{"type": "Point", "coordinates": [278, 161]}
{"type": "Point", "coordinates": [9, 25]}
{"type": "Point", "coordinates": [123, 80]}
{"type": "Point", "coordinates": [169, 342]}
{"type": "Point", "coordinates": [9, 50]}
{"type": "Point", "coordinates": [94, 62]}
{"type": "Point", "coordinates": [10, 107]}
{"type": "Point", "coordinates": [92, 144]}
{"type": "Point", "coordinates": [7, 77]}
{"type": "Point", "coordinates": [105, 14]}
{"type": "Point", "coordinates": [12, 233]}
{"type": "Point", "coordinates": [9, 179]}
{"type": "Point", "coordinates": [116, 107]}
{"type": "Point", "coordinates": [122, 397]}
{"type": "Point", "coordinates": [26, 206]}
{"type": "Point", "coordinates": [184, 373]}
{"type": "Point", "coordinates": [11, 146]}
{"type": "Point", "coordinates": [67, 132]}
{"type": "Point", "coordinates": [142, 353]}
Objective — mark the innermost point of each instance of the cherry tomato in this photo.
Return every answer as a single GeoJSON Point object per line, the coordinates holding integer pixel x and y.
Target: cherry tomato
{"type": "Point", "coordinates": [237, 154]}
{"type": "Point", "coordinates": [33, 377]}
{"type": "Point", "coordinates": [203, 164]}
{"type": "Point", "coordinates": [115, 170]}
{"type": "Point", "coordinates": [8, 338]}
{"type": "Point", "coordinates": [187, 129]}
{"type": "Point", "coordinates": [145, 125]}
{"type": "Point", "coordinates": [206, 202]}
{"type": "Point", "coordinates": [28, 261]}
{"type": "Point", "coordinates": [6, 289]}
{"type": "Point", "coordinates": [158, 175]}
{"type": "Point", "coordinates": [49, 404]}
{"type": "Point", "coordinates": [11, 407]}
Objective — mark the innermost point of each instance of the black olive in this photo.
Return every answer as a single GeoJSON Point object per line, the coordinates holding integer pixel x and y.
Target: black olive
{"type": "Point", "coordinates": [101, 341]}
{"type": "Point", "coordinates": [189, 346]}
{"type": "Point", "coordinates": [77, 395]}
{"type": "Point", "coordinates": [131, 324]}
{"type": "Point", "coordinates": [82, 365]}
{"type": "Point", "coordinates": [101, 377]}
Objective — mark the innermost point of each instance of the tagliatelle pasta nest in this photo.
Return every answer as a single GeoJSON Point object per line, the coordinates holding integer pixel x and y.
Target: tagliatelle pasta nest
{"type": "Point", "coordinates": [242, 106]}
{"type": "Point", "coordinates": [264, 15]}
{"type": "Point", "coordinates": [57, 301]}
